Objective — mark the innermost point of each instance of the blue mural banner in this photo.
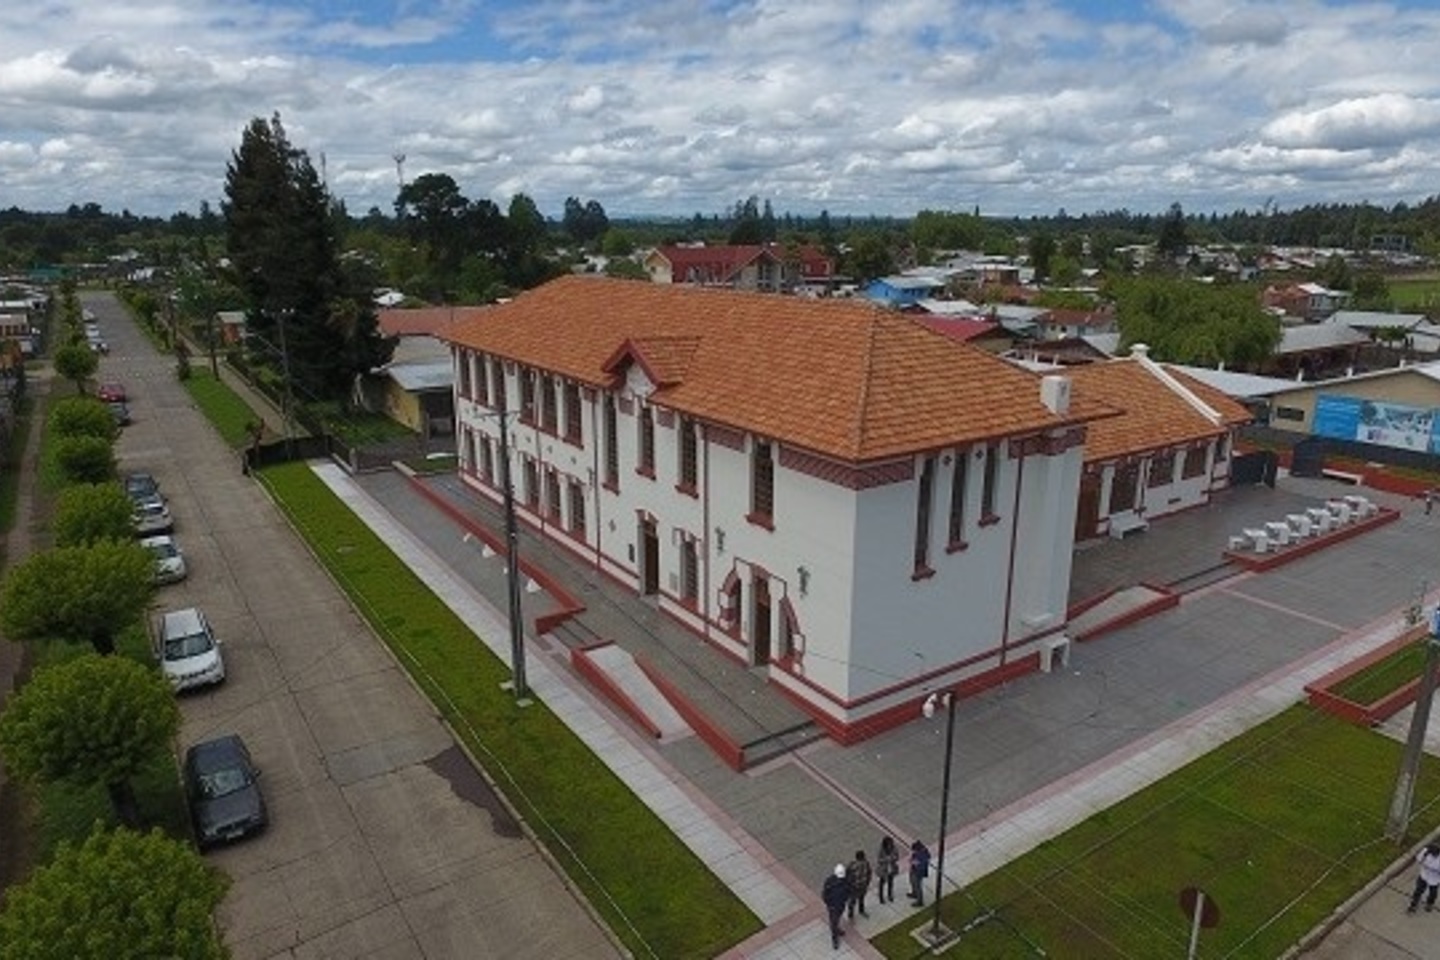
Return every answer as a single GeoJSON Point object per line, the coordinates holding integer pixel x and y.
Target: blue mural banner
{"type": "Point", "coordinates": [1379, 422]}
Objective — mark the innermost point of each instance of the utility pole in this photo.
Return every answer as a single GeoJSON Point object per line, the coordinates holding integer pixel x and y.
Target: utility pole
{"type": "Point", "coordinates": [1399, 820]}
{"type": "Point", "coordinates": [937, 930]}
{"type": "Point", "coordinates": [512, 560]}
{"type": "Point", "coordinates": [287, 397]}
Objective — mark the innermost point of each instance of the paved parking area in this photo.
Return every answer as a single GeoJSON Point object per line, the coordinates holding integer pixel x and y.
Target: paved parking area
{"type": "Point", "coordinates": [385, 842]}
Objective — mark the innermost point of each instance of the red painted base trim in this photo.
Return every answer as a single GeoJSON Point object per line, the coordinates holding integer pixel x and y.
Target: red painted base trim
{"type": "Point", "coordinates": [570, 604]}
{"type": "Point", "coordinates": [1323, 696]}
{"type": "Point", "coordinates": [1269, 561]}
{"type": "Point", "coordinates": [585, 665]}
{"type": "Point", "coordinates": [715, 738]}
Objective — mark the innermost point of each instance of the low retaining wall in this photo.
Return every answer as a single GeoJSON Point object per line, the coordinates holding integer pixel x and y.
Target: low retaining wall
{"type": "Point", "coordinates": [1259, 562]}
{"type": "Point", "coordinates": [586, 666]}
{"type": "Point", "coordinates": [1322, 695]}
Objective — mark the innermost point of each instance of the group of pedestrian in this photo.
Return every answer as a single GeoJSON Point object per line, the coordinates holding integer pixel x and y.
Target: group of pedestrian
{"type": "Point", "coordinates": [847, 886]}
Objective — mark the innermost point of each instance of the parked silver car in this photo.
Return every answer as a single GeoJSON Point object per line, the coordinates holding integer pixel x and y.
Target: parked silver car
{"type": "Point", "coordinates": [151, 516]}
{"type": "Point", "coordinates": [169, 561]}
{"type": "Point", "coordinates": [188, 650]}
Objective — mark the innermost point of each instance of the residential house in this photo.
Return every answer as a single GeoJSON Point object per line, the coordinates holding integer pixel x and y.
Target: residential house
{"type": "Point", "coordinates": [1398, 407]}
{"type": "Point", "coordinates": [1168, 451]}
{"type": "Point", "coordinates": [416, 387]}
{"type": "Point", "coordinates": [1062, 323]}
{"type": "Point", "coordinates": [1307, 301]}
{"type": "Point", "coordinates": [768, 267]}
{"type": "Point", "coordinates": [862, 523]}
{"type": "Point", "coordinates": [902, 290]}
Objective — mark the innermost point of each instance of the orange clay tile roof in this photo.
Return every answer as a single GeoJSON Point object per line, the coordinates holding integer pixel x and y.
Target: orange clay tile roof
{"type": "Point", "coordinates": [422, 321]}
{"type": "Point", "coordinates": [1154, 415]}
{"type": "Point", "coordinates": [843, 378]}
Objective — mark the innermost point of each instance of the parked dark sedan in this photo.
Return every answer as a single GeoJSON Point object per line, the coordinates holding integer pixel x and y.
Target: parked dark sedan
{"type": "Point", "coordinates": [223, 788]}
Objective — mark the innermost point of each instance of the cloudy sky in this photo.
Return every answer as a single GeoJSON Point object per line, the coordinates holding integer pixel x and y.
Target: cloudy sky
{"type": "Point", "coordinates": [684, 106]}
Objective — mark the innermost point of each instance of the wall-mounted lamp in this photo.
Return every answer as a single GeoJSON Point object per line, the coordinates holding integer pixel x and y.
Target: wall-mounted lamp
{"type": "Point", "coordinates": [719, 540]}
{"type": "Point", "coordinates": [804, 576]}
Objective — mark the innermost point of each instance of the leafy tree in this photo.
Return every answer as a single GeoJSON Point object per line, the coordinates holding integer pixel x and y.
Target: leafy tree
{"type": "Point", "coordinates": [1042, 252]}
{"type": "Point", "coordinates": [585, 222]}
{"type": "Point", "coordinates": [434, 213]}
{"type": "Point", "coordinates": [88, 513]}
{"type": "Point", "coordinates": [92, 721]}
{"type": "Point", "coordinates": [870, 256]}
{"type": "Point", "coordinates": [1335, 273]}
{"type": "Point", "coordinates": [1173, 241]}
{"type": "Point", "coordinates": [617, 243]}
{"type": "Point", "coordinates": [1195, 323]}
{"type": "Point", "coordinates": [85, 459]}
{"type": "Point", "coordinates": [118, 894]}
{"type": "Point", "coordinates": [77, 594]}
{"type": "Point", "coordinates": [1371, 291]}
{"type": "Point", "coordinates": [76, 362]}
{"type": "Point", "coordinates": [82, 416]}
{"type": "Point", "coordinates": [944, 230]}
{"type": "Point", "coordinates": [623, 269]}
{"type": "Point", "coordinates": [282, 242]}
{"type": "Point", "coordinates": [746, 227]}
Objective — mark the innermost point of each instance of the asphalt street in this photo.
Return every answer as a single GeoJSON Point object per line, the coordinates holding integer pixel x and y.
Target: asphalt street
{"type": "Point", "coordinates": [384, 841]}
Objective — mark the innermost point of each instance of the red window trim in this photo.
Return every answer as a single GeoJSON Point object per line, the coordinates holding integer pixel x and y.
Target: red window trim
{"type": "Point", "coordinates": [922, 573]}
{"type": "Point", "coordinates": [956, 546]}
{"type": "Point", "coordinates": [989, 520]}
{"type": "Point", "coordinates": [761, 520]}
{"type": "Point", "coordinates": [688, 489]}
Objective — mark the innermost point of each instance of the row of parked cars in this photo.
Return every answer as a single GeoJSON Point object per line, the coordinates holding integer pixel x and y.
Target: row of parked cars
{"type": "Point", "coordinates": [221, 781]}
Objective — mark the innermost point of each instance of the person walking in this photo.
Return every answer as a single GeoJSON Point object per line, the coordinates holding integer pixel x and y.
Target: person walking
{"type": "Point", "coordinates": [836, 894]}
{"type": "Point", "coordinates": [1429, 500]}
{"type": "Point", "coordinates": [1427, 882]}
{"type": "Point", "coordinates": [887, 865]}
{"type": "Point", "coordinates": [859, 876]}
{"type": "Point", "coordinates": [919, 870]}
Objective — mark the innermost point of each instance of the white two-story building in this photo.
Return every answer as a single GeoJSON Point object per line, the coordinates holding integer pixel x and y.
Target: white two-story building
{"type": "Point", "coordinates": [827, 490]}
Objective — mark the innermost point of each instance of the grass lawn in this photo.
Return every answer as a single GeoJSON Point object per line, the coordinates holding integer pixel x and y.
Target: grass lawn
{"type": "Point", "coordinates": [1415, 295]}
{"type": "Point", "coordinates": [654, 893]}
{"type": "Point", "coordinates": [1278, 827]}
{"type": "Point", "coordinates": [1384, 676]}
{"type": "Point", "coordinates": [223, 406]}
{"type": "Point", "coordinates": [357, 428]}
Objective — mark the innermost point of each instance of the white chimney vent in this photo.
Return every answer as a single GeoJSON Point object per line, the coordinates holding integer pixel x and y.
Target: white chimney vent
{"type": "Point", "coordinates": [1055, 394]}
{"type": "Point", "coordinates": [1140, 350]}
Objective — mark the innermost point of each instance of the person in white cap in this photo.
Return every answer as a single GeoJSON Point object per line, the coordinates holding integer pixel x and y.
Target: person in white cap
{"type": "Point", "coordinates": [1427, 882]}
{"type": "Point", "coordinates": [836, 894]}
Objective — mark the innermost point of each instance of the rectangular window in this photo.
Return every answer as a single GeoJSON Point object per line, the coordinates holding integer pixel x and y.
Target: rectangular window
{"type": "Point", "coordinates": [577, 509]}
{"type": "Point", "coordinates": [482, 380]}
{"type": "Point", "coordinates": [646, 419]}
{"type": "Point", "coordinates": [989, 482]}
{"type": "Point", "coordinates": [689, 573]}
{"type": "Point", "coordinates": [572, 412]}
{"type": "Point", "coordinates": [487, 461]}
{"type": "Point", "coordinates": [926, 491]}
{"type": "Point", "coordinates": [548, 412]}
{"type": "Point", "coordinates": [465, 359]}
{"type": "Point", "coordinates": [1194, 465]}
{"type": "Point", "coordinates": [527, 396]}
{"type": "Point", "coordinates": [467, 451]}
{"type": "Point", "coordinates": [552, 494]}
{"type": "Point", "coordinates": [532, 485]}
{"type": "Point", "coordinates": [957, 499]}
{"type": "Point", "coordinates": [498, 399]}
{"type": "Point", "coordinates": [1290, 413]}
{"type": "Point", "coordinates": [762, 483]}
{"type": "Point", "coordinates": [1162, 468]}
{"type": "Point", "coordinates": [689, 457]}
{"type": "Point", "coordinates": [612, 444]}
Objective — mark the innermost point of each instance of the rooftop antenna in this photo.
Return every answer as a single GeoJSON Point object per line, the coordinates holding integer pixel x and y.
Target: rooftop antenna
{"type": "Point", "coordinates": [400, 169]}
{"type": "Point", "coordinates": [324, 177]}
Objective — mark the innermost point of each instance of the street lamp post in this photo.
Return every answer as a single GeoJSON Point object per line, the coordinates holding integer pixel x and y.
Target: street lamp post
{"type": "Point", "coordinates": [512, 561]}
{"type": "Point", "coordinates": [931, 702]}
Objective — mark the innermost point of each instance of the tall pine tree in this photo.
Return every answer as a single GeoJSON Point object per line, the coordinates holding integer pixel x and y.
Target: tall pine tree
{"type": "Point", "coordinates": [284, 249]}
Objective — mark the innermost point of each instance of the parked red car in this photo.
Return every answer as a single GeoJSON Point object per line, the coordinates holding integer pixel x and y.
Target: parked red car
{"type": "Point", "coordinates": [111, 392]}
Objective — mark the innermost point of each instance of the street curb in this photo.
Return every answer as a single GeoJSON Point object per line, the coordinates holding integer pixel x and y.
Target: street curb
{"type": "Point", "coordinates": [526, 828]}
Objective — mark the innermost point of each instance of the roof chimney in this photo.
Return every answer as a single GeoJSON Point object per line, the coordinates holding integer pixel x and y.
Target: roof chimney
{"type": "Point", "coordinates": [1055, 394]}
{"type": "Point", "coordinates": [1139, 350]}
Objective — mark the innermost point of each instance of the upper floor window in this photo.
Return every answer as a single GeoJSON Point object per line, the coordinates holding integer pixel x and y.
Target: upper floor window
{"type": "Point", "coordinates": [1194, 465]}
{"type": "Point", "coordinates": [762, 483]}
{"type": "Point", "coordinates": [572, 412]}
{"type": "Point", "coordinates": [689, 456]}
{"type": "Point", "coordinates": [497, 382]}
{"type": "Point", "coordinates": [532, 484]}
{"type": "Point", "coordinates": [646, 418]}
{"type": "Point", "coordinates": [548, 412]}
{"type": "Point", "coordinates": [956, 527]}
{"type": "Point", "coordinates": [612, 444]}
{"type": "Point", "coordinates": [466, 358]}
{"type": "Point", "coordinates": [552, 494]}
{"type": "Point", "coordinates": [689, 573]}
{"type": "Point", "coordinates": [482, 380]}
{"type": "Point", "coordinates": [527, 396]}
{"type": "Point", "coordinates": [989, 483]}
{"type": "Point", "coordinates": [1162, 468]}
{"type": "Point", "coordinates": [922, 517]}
